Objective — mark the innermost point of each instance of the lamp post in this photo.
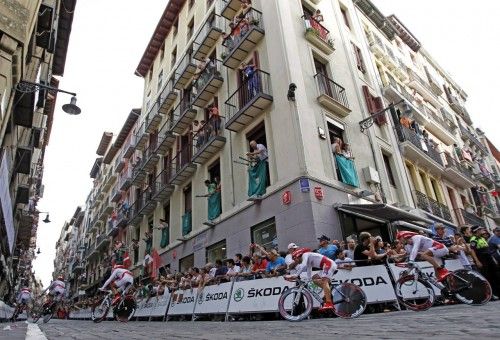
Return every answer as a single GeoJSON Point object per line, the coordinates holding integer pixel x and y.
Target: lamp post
{"type": "Point", "coordinates": [46, 220]}
{"type": "Point", "coordinates": [29, 87]}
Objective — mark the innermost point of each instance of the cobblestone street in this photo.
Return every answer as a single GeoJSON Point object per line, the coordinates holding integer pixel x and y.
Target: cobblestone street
{"type": "Point", "coordinates": [450, 322]}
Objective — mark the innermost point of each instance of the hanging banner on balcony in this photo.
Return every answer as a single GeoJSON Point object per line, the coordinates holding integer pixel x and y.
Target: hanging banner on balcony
{"type": "Point", "coordinates": [6, 200]}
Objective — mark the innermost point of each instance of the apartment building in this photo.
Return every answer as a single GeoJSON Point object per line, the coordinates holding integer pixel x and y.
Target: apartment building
{"type": "Point", "coordinates": [34, 38]}
{"type": "Point", "coordinates": [345, 66]}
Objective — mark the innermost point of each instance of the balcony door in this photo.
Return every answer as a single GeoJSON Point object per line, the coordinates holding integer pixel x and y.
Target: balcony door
{"type": "Point", "coordinates": [185, 149]}
{"type": "Point", "coordinates": [246, 86]}
{"type": "Point", "coordinates": [322, 78]}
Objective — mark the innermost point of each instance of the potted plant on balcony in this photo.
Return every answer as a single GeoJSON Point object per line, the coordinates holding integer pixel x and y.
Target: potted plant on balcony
{"type": "Point", "coordinates": [223, 55]}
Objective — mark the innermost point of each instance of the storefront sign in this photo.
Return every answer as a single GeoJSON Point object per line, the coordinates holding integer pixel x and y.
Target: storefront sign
{"type": "Point", "coordinates": [287, 197]}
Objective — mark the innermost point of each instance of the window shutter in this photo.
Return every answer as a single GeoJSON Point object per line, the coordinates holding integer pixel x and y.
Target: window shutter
{"type": "Point", "coordinates": [374, 104]}
{"type": "Point", "coordinates": [379, 105]}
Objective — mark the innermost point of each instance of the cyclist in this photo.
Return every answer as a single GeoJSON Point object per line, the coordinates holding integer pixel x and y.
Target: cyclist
{"type": "Point", "coordinates": [427, 249]}
{"type": "Point", "coordinates": [56, 290]}
{"type": "Point", "coordinates": [121, 278]}
{"type": "Point", "coordinates": [307, 260]}
{"type": "Point", "coordinates": [23, 298]}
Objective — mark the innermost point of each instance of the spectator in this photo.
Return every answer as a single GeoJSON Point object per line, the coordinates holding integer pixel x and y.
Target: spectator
{"type": "Point", "coordinates": [232, 269]}
{"type": "Point", "coordinates": [344, 262]}
{"type": "Point", "coordinates": [494, 245]}
{"type": "Point", "coordinates": [351, 245]}
{"type": "Point", "coordinates": [214, 118]}
{"type": "Point", "coordinates": [259, 151]}
{"type": "Point", "coordinates": [246, 271]}
{"type": "Point", "coordinates": [221, 270]}
{"type": "Point", "coordinates": [290, 262]}
{"type": "Point", "coordinates": [259, 264]}
{"type": "Point", "coordinates": [365, 250]}
{"type": "Point", "coordinates": [195, 131]}
{"type": "Point", "coordinates": [237, 259]}
{"type": "Point", "coordinates": [346, 151]}
{"type": "Point", "coordinates": [276, 265]}
{"type": "Point", "coordinates": [251, 80]}
{"type": "Point", "coordinates": [486, 265]}
{"type": "Point", "coordinates": [327, 249]}
{"type": "Point", "coordinates": [337, 146]}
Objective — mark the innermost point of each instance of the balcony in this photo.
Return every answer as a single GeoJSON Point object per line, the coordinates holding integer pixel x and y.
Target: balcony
{"type": "Point", "coordinates": [154, 117]}
{"type": "Point", "coordinates": [457, 173]}
{"type": "Point", "coordinates": [377, 46]}
{"type": "Point", "coordinates": [182, 117]}
{"type": "Point", "coordinates": [432, 206]}
{"type": "Point", "coordinates": [91, 251]}
{"type": "Point", "coordinates": [422, 87]}
{"type": "Point", "coordinates": [433, 83]}
{"type": "Point", "coordinates": [148, 204]}
{"type": "Point", "coordinates": [182, 167]}
{"type": "Point", "coordinates": [166, 139]}
{"type": "Point", "coordinates": [138, 174]}
{"type": "Point", "coordinates": [129, 147]}
{"type": "Point", "coordinates": [416, 148]}
{"type": "Point", "coordinates": [208, 36]}
{"type": "Point", "coordinates": [142, 137]}
{"type": "Point", "coordinates": [110, 180]}
{"type": "Point", "coordinates": [439, 127]}
{"type": "Point", "coordinates": [77, 268]}
{"type": "Point", "coordinates": [112, 230]}
{"type": "Point", "coordinates": [151, 158]}
{"type": "Point", "coordinates": [95, 223]}
{"type": "Point", "coordinates": [209, 140]}
{"type": "Point", "coordinates": [116, 195]}
{"type": "Point", "coordinates": [332, 96]}
{"type": "Point", "coordinates": [119, 163]}
{"type": "Point", "coordinates": [230, 8]}
{"type": "Point", "coordinates": [488, 180]}
{"type": "Point", "coordinates": [248, 101]}
{"type": "Point", "coordinates": [469, 218]}
{"type": "Point", "coordinates": [207, 84]}
{"type": "Point", "coordinates": [102, 242]}
{"type": "Point", "coordinates": [474, 142]}
{"type": "Point", "coordinates": [135, 211]}
{"type": "Point", "coordinates": [318, 35]}
{"type": "Point", "coordinates": [125, 180]}
{"type": "Point", "coordinates": [238, 46]}
{"type": "Point", "coordinates": [167, 97]}
{"type": "Point", "coordinates": [22, 164]}
{"type": "Point", "coordinates": [185, 71]}
{"type": "Point", "coordinates": [122, 218]}
{"type": "Point", "coordinates": [458, 107]}
{"type": "Point", "coordinates": [163, 189]}
{"type": "Point", "coordinates": [448, 118]}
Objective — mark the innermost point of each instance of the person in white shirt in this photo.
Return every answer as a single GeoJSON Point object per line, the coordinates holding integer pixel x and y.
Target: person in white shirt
{"type": "Point", "coordinates": [24, 296]}
{"type": "Point", "coordinates": [259, 151]}
{"type": "Point", "coordinates": [122, 279]}
{"type": "Point", "coordinates": [232, 269]}
{"type": "Point", "coordinates": [344, 262]}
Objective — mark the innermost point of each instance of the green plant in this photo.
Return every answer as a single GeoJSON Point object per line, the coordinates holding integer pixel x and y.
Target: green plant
{"type": "Point", "coordinates": [255, 21]}
{"type": "Point", "coordinates": [223, 55]}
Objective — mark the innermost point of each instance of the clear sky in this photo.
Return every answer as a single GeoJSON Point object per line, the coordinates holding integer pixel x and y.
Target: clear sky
{"type": "Point", "coordinates": [109, 37]}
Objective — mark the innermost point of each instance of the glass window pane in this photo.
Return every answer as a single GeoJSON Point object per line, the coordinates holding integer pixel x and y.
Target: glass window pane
{"type": "Point", "coordinates": [216, 252]}
{"type": "Point", "coordinates": [265, 234]}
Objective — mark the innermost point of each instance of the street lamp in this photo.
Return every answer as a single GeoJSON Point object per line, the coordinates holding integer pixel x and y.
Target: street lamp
{"type": "Point", "coordinates": [28, 87]}
{"type": "Point", "coordinates": [46, 220]}
{"type": "Point", "coordinates": [368, 122]}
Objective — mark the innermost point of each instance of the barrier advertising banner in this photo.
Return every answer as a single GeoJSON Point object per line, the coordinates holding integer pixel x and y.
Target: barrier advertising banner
{"type": "Point", "coordinates": [182, 305]}
{"type": "Point", "coordinates": [213, 299]}
{"type": "Point", "coordinates": [160, 305]}
{"type": "Point", "coordinates": [257, 295]}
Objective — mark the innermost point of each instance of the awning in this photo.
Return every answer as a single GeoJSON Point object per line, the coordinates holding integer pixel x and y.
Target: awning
{"type": "Point", "coordinates": [381, 213]}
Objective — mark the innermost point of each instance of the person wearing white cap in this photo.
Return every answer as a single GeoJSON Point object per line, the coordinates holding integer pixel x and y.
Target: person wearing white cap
{"type": "Point", "coordinates": [290, 263]}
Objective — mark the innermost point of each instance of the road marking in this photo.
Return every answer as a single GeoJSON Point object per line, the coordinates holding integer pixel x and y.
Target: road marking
{"type": "Point", "coordinates": [34, 332]}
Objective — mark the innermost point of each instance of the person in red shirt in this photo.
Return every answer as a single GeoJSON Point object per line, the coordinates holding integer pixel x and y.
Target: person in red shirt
{"type": "Point", "coordinates": [259, 264]}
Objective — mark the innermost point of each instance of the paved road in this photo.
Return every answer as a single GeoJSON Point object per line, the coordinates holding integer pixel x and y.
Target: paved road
{"type": "Point", "coordinates": [449, 322]}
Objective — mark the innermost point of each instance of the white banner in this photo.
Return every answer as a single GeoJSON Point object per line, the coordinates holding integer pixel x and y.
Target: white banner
{"type": "Point", "coordinates": [160, 305]}
{"type": "Point", "coordinates": [213, 299]}
{"type": "Point", "coordinates": [257, 295]}
{"type": "Point", "coordinates": [142, 308]}
{"type": "Point", "coordinates": [182, 302]}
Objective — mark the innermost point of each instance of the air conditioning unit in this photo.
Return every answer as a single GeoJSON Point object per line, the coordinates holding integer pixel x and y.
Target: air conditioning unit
{"type": "Point", "coordinates": [371, 175]}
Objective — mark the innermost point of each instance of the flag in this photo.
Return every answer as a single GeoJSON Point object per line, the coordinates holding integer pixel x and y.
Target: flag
{"type": "Point", "coordinates": [155, 264]}
{"type": "Point", "coordinates": [126, 260]}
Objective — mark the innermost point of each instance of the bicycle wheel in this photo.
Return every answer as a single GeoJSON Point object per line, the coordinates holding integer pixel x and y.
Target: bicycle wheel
{"type": "Point", "coordinates": [469, 287]}
{"type": "Point", "coordinates": [47, 314]}
{"type": "Point", "coordinates": [13, 318]}
{"type": "Point", "coordinates": [36, 312]}
{"type": "Point", "coordinates": [349, 301]}
{"type": "Point", "coordinates": [125, 310]}
{"type": "Point", "coordinates": [416, 295]}
{"type": "Point", "coordinates": [295, 304]}
{"type": "Point", "coordinates": [100, 310]}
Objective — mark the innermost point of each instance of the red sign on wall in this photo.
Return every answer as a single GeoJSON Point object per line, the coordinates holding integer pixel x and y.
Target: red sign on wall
{"type": "Point", "coordinates": [174, 254]}
{"type": "Point", "coordinates": [318, 193]}
{"type": "Point", "coordinates": [287, 197]}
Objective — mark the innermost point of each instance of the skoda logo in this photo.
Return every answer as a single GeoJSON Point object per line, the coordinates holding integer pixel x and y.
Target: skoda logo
{"type": "Point", "coordinates": [239, 294]}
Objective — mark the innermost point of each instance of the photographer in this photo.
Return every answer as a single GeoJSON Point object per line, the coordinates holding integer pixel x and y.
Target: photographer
{"type": "Point", "coordinates": [365, 253]}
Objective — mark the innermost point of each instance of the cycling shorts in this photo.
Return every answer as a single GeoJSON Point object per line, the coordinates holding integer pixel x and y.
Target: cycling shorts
{"type": "Point", "coordinates": [439, 252]}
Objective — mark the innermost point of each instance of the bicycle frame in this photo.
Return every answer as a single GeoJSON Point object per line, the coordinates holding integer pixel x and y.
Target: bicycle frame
{"type": "Point", "coordinates": [303, 285]}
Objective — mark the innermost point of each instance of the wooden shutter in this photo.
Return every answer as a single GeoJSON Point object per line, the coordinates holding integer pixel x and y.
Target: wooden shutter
{"type": "Point", "coordinates": [374, 105]}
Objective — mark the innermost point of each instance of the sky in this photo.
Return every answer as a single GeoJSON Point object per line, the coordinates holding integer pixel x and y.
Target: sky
{"type": "Point", "coordinates": [109, 37]}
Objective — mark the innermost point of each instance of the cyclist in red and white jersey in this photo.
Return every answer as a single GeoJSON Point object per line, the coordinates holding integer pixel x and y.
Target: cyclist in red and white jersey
{"type": "Point", "coordinates": [308, 260]}
{"type": "Point", "coordinates": [122, 279]}
{"type": "Point", "coordinates": [24, 296]}
{"type": "Point", "coordinates": [427, 249]}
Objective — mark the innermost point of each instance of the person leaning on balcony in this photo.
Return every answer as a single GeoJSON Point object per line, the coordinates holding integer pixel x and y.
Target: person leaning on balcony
{"type": "Point", "coordinates": [337, 146]}
{"type": "Point", "coordinates": [195, 131]}
{"type": "Point", "coordinates": [346, 151]}
{"type": "Point", "coordinates": [214, 118]}
{"type": "Point", "coordinates": [259, 152]}
{"type": "Point", "coordinates": [406, 121]}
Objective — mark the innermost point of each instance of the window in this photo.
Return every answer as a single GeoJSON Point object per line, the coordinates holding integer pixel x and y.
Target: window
{"type": "Point", "coordinates": [162, 52]}
{"type": "Point", "coordinates": [359, 58]}
{"type": "Point", "coordinates": [148, 98]}
{"type": "Point", "coordinates": [216, 251]}
{"type": "Point", "coordinates": [258, 134]}
{"type": "Point", "coordinates": [388, 169]}
{"type": "Point", "coordinates": [150, 74]}
{"type": "Point", "coordinates": [186, 262]}
{"type": "Point", "coordinates": [137, 237]}
{"type": "Point", "coordinates": [209, 3]}
{"type": "Point", "coordinates": [175, 28]}
{"type": "Point", "coordinates": [345, 15]}
{"type": "Point", "coordinates": [374, 105]}
{"type": "Point", "coordinates": [173, 57]}
{"type": "Point", "coordinates": [160, 80]}
{"type": "Point", "coordinates": [265, 234]}
{"type": "Point", "coordinates": [214, 170]}
{"type": "Point", "coordinates": [190, 29]}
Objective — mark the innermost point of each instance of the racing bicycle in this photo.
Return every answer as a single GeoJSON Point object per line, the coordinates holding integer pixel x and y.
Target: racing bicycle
{"type": "Point", "coordinates": [415, 288]}
{"type": "Point", "coordinates": [296, 303]}
{"type": "Point", "coordinates": [18, 310]}
{"type": "Point", "coordinates": [123, 310]}
{"type": "Point", "coordinates": [48, 308]}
